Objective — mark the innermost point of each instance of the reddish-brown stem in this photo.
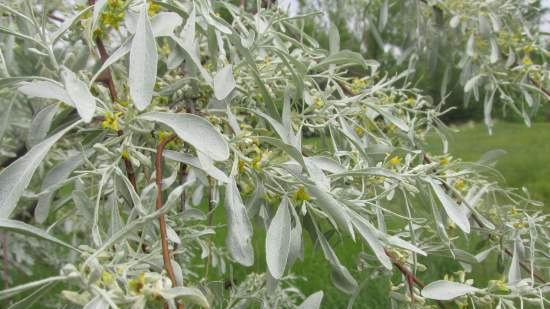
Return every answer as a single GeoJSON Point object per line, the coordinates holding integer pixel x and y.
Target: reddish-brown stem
{"type": "Point", "coordinates": [5, 260]}
{"type": "Point", "coordinates": [162, 220]}
{"type": "Point", "coordinates": [526, 267]}
{"type": "Point", "coordinates": [107, 78]}
{"type": "Point", "coordinates": [410, 277]}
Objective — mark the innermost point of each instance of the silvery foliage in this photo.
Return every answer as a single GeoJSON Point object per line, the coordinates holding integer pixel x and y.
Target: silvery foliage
{"type": "Point", "coordinates": [286, 136]}
{"type": "Point", "coordinates": [499, 48]}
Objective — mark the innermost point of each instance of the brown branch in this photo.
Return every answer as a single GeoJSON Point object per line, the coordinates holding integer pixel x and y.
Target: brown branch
{"type": "Point", "coordinates": [162, 220]}
{"type": "Point", "coordinates": [183, 179]}
{"type": "Point", "coordinates": [107, 78]}
{"type": "Point", "coordinates": [410, 277]}
{"type": "Point", "coordinates": [526, 267]}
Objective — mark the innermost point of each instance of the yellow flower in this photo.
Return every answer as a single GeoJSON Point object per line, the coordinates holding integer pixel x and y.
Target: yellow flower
{"type": "Point", "coordinates": [242, 166]}
{"type": "Point", "coordinates": [111, 121]}
{"type": "Point", "coordinates": [445, 160]}
{"type": "Point", "coordinates": [360, 131]}
{"type": "Point", "coordinates": [153, 9]}
{"type": "Point", "coordinates": [411, 101]}
{"type": "Point", "coordinates": [527, 61]}
{"type": "Point", "coordinates": [395, 161]}
{"type": "Point", "coordinates": [107, 278]}
{"type": "Point", "coordinates": [318, 102]}
{"type": "Point", "coordinates": [137, 284]}
{"type": "Point", "coordinates": [460, 184]}
{"type": "Point", "coordinates": [301, 195]}
{"type": "Point", "coordinates": [125, 155]}
{"type": "Point", "coordinates": [357, 85]}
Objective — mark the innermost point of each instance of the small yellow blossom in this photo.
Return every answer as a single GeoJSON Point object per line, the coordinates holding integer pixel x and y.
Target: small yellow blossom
{"type": "Point", "coordinates": [445, 160]}
{"type": "Point", "coordinates": [360, 131]}
{"type": "Point", "coordinates": [527, 61]}
{"type": "Point", "coordinates": [125, 155]}
{"type": "Point", "coordinates": [111, 121]}
{"type": "Point", "coordinates": [153, 9]}
{"type": "Point", "coordinates": [107, 278]}
{"type": "Point", "coordinates": [301, 195]}
{"type": "Point", "coordinates": [318, 102]}
{"type": "Point", "coordinates": [460, 184]}
{"type": "Point", "coordinates": [137, 284]}
{"type": "Point", "coordinates": [395, 161]}
{"type": "Point", "coordinates": [357, 85]}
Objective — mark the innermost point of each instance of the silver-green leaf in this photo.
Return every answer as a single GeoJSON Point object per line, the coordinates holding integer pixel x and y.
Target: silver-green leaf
{"type": "Point", "coordinates": [196, 131]}
{"type": "Point", "coordinates": [16, 177]}
{"type": "Point", "coordinates": [277, 242]}
{"type": "Point", "coordinates": [143, 62]}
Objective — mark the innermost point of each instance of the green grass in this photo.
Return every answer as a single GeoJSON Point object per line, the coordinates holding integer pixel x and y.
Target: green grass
{"type": "Point", "coordinates": [527, 163]}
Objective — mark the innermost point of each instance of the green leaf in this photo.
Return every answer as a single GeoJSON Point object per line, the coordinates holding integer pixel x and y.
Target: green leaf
{"type": "Point", "coordinates": [15, 178]}
{"type": "Point", "coordinates": [192, 295]}
{"type": "Point", "coordinates": [224, 82]}
{"type": "Point", "coordinates": [313, 301]}
{"type": "Point", "coordinates": [277, 242]}
{"type": "Point", "coordinates": [23, 228]}
{"type": "Point", "coordinates": [239, 228]}
{"type": "Point", "coordinates": [446, 290]}
{"type": "Point", "coordinates": [80, 95]}
{"type": "Point", "coordinates": [194, 130]}
{"type": "Point", "coordinates": [143, 62]}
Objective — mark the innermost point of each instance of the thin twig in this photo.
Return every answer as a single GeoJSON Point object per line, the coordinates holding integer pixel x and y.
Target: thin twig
{"type": "Point", "coordinates": [162, 220]}
{"type": "Point", "coordinates": [410, 277]}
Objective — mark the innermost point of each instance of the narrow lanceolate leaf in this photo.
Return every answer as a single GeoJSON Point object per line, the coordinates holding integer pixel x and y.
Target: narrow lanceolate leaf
{"type": "Point", "coordinates": [45, 89]}
{"type": "Point", "coordinates": [191, 295]}
{"type": "Point", "coordinates": [446, 290]}
{"type": "Point", "coordinates": [332, 207]}
{"type": "Point", "coordinates": [143, 62]}
{"type": "Point", "coordinates": [224, 82]}
{"type": "Point", "coordinates": [196, 131]}
{"type": "Point", "coordinates": [514, 273]}
{"type": "Point", "coordinates": [239, 228]}
{"type": "Point", "coordinates": [455, 213]}
{"type": "Point", "coordinates": [23, 228]}
{"type": "Point", "coordinates": [277, 243]}
{"type": "Point", "coordinates": [368, 232]}
{"type": "Point", "coordinates": [16, 177]}
{"type": "Point", "coordinates": [56, 175]}
{"type": "Point", "coordinates": [40, 125]}
{"type": "Point", "coordinates": [6, 293]}
{"type": "Point", "coordinates": [313, 301]}
{"type": "Point", "coordinates": [80, 95]}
